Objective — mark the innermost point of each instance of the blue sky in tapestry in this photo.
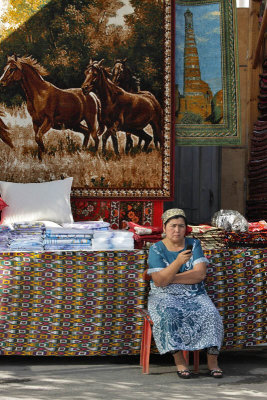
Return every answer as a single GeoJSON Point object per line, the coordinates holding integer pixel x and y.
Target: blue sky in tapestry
{"type": "Point", "coordinates": [206, 24]}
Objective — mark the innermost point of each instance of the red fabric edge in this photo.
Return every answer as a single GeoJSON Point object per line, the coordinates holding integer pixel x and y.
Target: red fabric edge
{"type": "Point", "coordinates": [158, 211]}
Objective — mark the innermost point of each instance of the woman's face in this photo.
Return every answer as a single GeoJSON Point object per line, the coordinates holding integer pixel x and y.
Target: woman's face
{"type": "Point", "coordinates": [175, 229]}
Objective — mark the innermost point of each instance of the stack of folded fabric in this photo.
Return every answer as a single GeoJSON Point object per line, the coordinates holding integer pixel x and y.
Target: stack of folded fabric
{"type": "Point", "coordinates": [256, 237]}
{"type": "Point", "coordinates": [68, 239]}
{"type": "Point", "coordinates": [257, 226]}
{"type": "Point", "coordinates": [91, 225]}
{"type": "Point", "coordinates": [27, 236]}
{"type": "Point", "coordinates": [210, 237]}
{"type": "Point", "coordinates": [113, 240]}
{"type": "Point", "coordinates": [257, 167]}
{"type": "Point", "coordinates": [4, 238]}
{"type": "Point", "coordinates": [145, 235]}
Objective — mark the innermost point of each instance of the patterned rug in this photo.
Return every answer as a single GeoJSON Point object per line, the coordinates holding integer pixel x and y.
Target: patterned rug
{"type": "Point", "coordinates": [235, 283]}
{"type": "Point", "coordinates": [207, 80]}
{"type": "Point", "coordinates": [71, 303]}
{"type": "Point", "coordinates": [117, 212]}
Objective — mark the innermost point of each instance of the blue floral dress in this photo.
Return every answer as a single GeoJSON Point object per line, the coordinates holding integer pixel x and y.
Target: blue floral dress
{"type": "Point", "coordinates": [183, 315]}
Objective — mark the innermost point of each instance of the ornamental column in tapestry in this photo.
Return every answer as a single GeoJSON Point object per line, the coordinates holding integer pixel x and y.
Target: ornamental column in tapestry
{"type": "Point", "coordinates": [197, 95]}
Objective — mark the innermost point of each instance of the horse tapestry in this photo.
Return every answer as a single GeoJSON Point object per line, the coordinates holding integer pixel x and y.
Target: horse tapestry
{"type": "Point", "coordinates": [87, 91]}
{"type": "Point", "coordinates": [206, 73]}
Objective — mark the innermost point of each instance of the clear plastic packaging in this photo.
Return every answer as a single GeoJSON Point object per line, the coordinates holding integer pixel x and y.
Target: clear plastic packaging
{"type": "Point", "coordinates": [122, 233]}
{"type": "Point", "coordinates": [230, 220]}
{"type": "Point", "coordinates": [103, 234]}
{"type": "Point", "coordinates": [113, 239]}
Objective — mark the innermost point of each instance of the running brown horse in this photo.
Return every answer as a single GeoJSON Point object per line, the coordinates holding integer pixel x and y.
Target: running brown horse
{"type": "Point", "coordinates": [121, 110]}
{"type": "Point", "coordinates": [124, 78]}
{"type": "Point", "coordinates": [4, 135]}
{"type": "Point", "coordinates": [49, 106]}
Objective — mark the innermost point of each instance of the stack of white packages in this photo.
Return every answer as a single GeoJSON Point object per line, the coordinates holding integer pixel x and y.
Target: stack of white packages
{"type": "Point", "coordinates": [4, 238]}
{"type": "Point", "coordinates": [74, 236]}
{"type": "Point", "coordinates": [27, 236]}
{"type": "Point", "coordinates": [113, 240]}
{"type": "Point", "coordinates": [68, 239]}
{"type": "Point", "coordinates": [102, 240]}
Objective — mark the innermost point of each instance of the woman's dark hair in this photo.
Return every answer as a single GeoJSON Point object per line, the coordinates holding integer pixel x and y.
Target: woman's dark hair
{"type": "Point", "coordinates": [175, 217]}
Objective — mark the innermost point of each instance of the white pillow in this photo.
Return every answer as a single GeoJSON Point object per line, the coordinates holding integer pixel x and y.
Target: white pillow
{"type": "Point", "coordinates": [36, 201]}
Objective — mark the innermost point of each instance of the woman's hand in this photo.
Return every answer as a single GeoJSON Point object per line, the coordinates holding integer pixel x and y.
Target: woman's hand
{"type": "Point", "coordinates": [184, 256]}
{"type": "Point", "coordinates": [167, 275]}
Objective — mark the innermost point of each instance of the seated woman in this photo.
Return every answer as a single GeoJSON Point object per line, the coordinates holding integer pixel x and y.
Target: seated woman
{"type": "Point", "coordinates": [184, 317]}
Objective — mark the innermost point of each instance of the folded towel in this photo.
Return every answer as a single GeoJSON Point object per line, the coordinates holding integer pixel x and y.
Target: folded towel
{"type": "Point", "coordinates": [144, 230]}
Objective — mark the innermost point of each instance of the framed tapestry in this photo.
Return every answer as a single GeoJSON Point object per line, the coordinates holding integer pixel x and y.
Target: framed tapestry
{"type": "Point", "coordinates": [87, 91]}
{"type": "Point", "coordinates": [206, 73]}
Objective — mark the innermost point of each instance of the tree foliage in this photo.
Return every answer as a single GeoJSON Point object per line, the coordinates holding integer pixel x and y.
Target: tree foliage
{"type": "Point", "coordinates": [63, 35]}
{"type": "Point", "coordinates": [192, 118]}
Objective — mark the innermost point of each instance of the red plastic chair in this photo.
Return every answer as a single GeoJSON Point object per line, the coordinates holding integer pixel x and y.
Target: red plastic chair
{"type": "Point", "coordinates": [147, 337]}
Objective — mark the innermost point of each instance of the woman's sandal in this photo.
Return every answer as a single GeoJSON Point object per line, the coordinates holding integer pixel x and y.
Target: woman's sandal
{"type": "Point", "coordinates": [216, 373]}
{"type": "Point", "coordinates": [185, 374]}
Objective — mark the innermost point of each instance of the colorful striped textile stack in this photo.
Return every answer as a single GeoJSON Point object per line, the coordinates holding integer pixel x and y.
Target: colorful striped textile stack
{"type": "Point", "coordinates": [211, 238]}
{"type": "Point", "coordinates": [256, 237]}
{"type": "Point", "coordinates": [257, 167]}
{"type": "Point", "coordinates": [252, 240]}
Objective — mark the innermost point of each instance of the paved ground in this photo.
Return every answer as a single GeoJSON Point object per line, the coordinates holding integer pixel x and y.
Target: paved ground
{"type": "Point", "coordinates": [120, 378]}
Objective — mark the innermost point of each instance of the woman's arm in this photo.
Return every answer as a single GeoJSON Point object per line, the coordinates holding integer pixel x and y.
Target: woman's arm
{"type": "Point", "coordinates": [195, 275]}
{"type": "Point", "coordinates": [166, 275]}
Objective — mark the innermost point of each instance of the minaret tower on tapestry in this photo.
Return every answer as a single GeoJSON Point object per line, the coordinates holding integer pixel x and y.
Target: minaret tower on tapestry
{"type": "Point", "coordinates": [197, 95]}
{"type": "Point", "coordinates": [192, 75]}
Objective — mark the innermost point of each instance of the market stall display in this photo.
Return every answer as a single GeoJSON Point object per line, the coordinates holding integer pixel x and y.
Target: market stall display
{"type": "Point", "coordinates": [84, 303]}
